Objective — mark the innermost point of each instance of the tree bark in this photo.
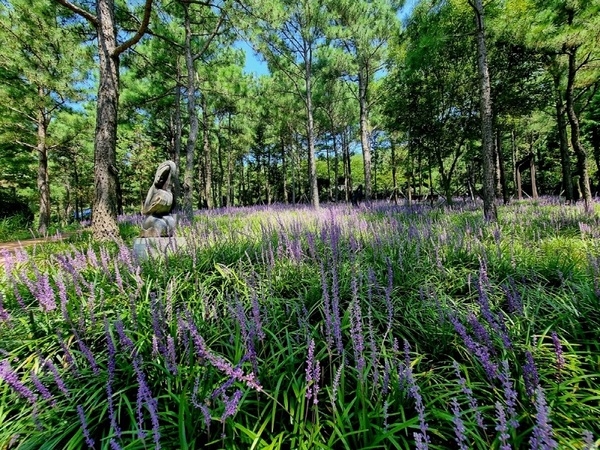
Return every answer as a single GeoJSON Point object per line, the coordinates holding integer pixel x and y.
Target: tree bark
{"type": "Point", "coordinates": [188, 176]}
{"type": "Point", "coordinates": [177, 127]}
{"type": "Point", "coordinates": [513, 145]}
{"type": "Point", "coordinates": [42, 177]}
{"type": "Point", "coordinates": [363, 86]}
{"type": "Point", "coordinates": [497, 174]}
{"type": "Point", "coordinates": [501, 167]}
{"type": "Point", "coordinates": [230, 192]}
{"type": "Point", "coordinates": [220, 198]}
{"type": "Point", "coordinates": [394, 177]}
{"type": "Point", "coordinates": [336, 165]}
{"type": "Point", "coordinates": [347, 167]}
{"type": "Point", "coordinates": [489, 206]}
{"type": "Point", "coordinates": [104, 223]}
{"type": "Point", "coordinates": [580, 152]}
{"type": "Point", "coordinates": [283, 170]}
{"type": "Point", "coordinates": [596, 147]}
{"type": "Point", "coordinates": [565, 158]}
{"type": "Point", "coordinates": [519, 188]}
{"type": "Point", "coordinates": [268, 187]}
{"type": "Point", "coordinates": [104, 216]}
{"type": "Point", "coordinates": [312, 164]}
{"type": "Point", "coordinates": [534, 191]}
{"type": "Point", "coordinates": [208, 191]}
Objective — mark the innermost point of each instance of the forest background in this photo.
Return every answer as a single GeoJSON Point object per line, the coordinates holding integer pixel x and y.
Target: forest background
{"type": "Point", "coordinates": [377, 93]}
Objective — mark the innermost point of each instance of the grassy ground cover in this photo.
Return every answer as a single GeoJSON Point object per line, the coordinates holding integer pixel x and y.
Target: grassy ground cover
{"type": "Point", "coordinates": [373, 327]}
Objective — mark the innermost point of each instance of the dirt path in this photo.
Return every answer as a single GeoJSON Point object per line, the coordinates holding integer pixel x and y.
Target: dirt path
{"type": "Point", "coordinates": [11, 247]}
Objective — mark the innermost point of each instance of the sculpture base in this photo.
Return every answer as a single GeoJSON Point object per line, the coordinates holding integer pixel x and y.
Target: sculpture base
{"type": "Point", "coordinates": [153, 247]}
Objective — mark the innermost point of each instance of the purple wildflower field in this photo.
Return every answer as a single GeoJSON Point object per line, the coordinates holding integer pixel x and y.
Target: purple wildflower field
{"type": "Point", "coordinates": [383, 326]}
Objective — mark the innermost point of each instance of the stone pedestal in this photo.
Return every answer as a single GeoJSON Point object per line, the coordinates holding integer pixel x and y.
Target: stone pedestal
{"type": "Point", "coordinates": [156, 247]}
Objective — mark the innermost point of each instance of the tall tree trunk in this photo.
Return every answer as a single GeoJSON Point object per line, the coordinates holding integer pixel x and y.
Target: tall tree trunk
{"type": "Point", "coordinates": [394, 178]}
{"type": "Point", "coordinates": [410, 178]}
{"type": "Point", "coordinates": [328, 162]}
{"type": "Point", "coordinates": [347, 166]}
{"type": "Point", "coordinates": [242, 190]}
{"type": "Point", "coordinates": [580, 153]}
{"type": "Point", "coordinates": [78, 212]}
{"type": "Point", "coordinates": [336, 170]}
{"type": "Point", "coordinates": [501, 167]}
{"type": "Point", "coordinates": [104, 218]}
{"type": "Point", "coordinates": [430, 176]}
{"type": "Point", "coordinates": [532, 172]}
{"type": "Point", "coordinates": [42, 177]}
{"type": "Point", "coordinates": [208, 192]}
{"type": "Point", "coordinates": [221, 177]}
{"type": "Point", "coordinates": [363, 86]}
{"type": "Point", "coordinates": [284, 170]}
{"type": "Point", "coordinates": [565, 157]}
{"type": "Point", "coordinates": [312, 164]}
{"type": "Point", "coordinates": [230, 193]}
{"type": "Point", "coordinates": [295, 164]}
{"type": "Point", "coordinates": [268, 187]}
{"type": "Point", "coordinates": [104, 223]}
{"type": "Point", "coordinates": [519, 187]}
{"type": "Point", "coordinates": [420, 170]}
{"type": "Point", "coordinates": [513, 145]}
{"type": "Point", "coordinates": [188, 176]}
{"type": "Point", "coordinates": [177, 127]}
{"type": "Point", "coordinates": [596, 147]}
{"type": "Point", "coordinates": [497, 157]}
{"type": "Point", "coordinates": [489, 206]}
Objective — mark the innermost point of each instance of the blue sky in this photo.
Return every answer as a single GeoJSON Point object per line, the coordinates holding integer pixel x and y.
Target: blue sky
{"type": "Point", "coordinates": [257, 66]}
{"type": "Point", "coordinates": [254, 64]}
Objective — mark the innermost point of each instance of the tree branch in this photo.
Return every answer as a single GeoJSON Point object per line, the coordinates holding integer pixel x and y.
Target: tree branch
{"type": "Point", "coordinates": [23, 113]}
{"type": "Point", "coordinates": [210, 38]}
{"type": "Point", "coordinates": [157, 35]}
{"type": "Point", "coordinates": [140, 32]}
{"type": "Point", "coordinates": [25, 144]}
{"type": "Point", "coordinates": [80, 11]}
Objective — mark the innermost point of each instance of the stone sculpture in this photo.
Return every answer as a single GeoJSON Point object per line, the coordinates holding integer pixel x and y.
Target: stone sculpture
{"type": "Point", "coordinates": [159, 202]}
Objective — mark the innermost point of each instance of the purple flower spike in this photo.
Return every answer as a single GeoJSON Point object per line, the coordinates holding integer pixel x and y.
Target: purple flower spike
{"type": "Point", "coordinates": [231, 405]}
{"type": "Point", "coordinates": [4, 315]}
{"type": "Point", "coordinates": [44, 293]}
{"type": "Point", "coordinates": [588, 439]}
{"type": "Point", "coordinates": [336, 384]}
{"type": "Point", "coordinates": [560, 359]}
{"type": "Point", "coordinates": [510, 394]}
{"type": "Point", "coordinates": [57, 379]}
{"type": "Point", "coordinates": [469, 394]}
{"type": "Point", "coordinates": [502, 427]}
{"type": "Point", "coordinates": [530, 374]}
{"type": "Point", "coordinates": [541, 437]}
{"type": "Point", "coordinates": [43, 390]}
{"type": "Point", "coordinates": [482, 353]}
{"type": "Point", "coordinates": [111, 376]}
{"type": "Point", "coordinates": [313, 374]}
{"type": "Point", "coordinates": [10, 377]}
{"type": "Point", "coordinates": [326, 308]}
{"type": "Point", "coordinates": [421, 438]}
{"type": "Point", "coordinates": [459, 426]}
{"type": "Point", "coordinates": [206, 416]}
{"type": "Point", "coordinates": [356, 330]}
{"type": "Point", "coordinates": [86, 432]}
